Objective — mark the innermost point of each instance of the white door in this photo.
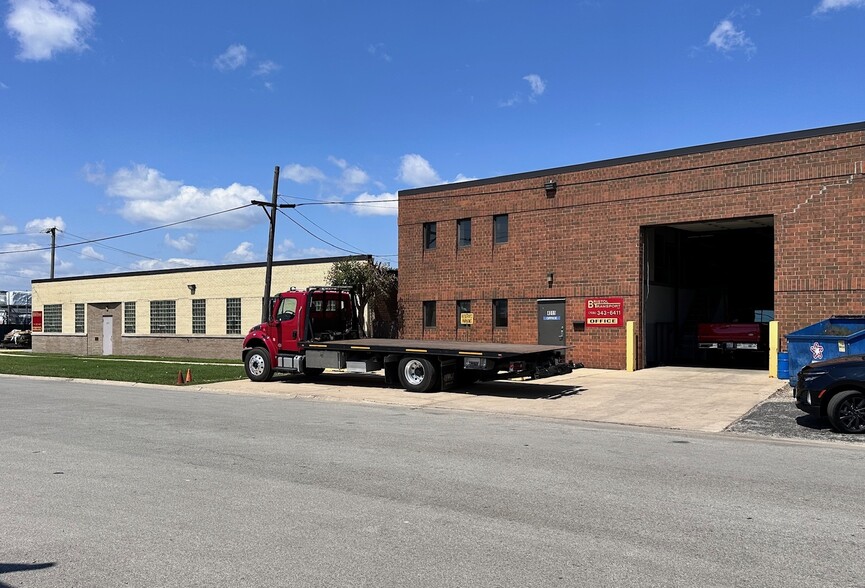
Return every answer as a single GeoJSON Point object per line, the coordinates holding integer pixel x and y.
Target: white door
{"type": "Point", "coordinates": [107, 330]}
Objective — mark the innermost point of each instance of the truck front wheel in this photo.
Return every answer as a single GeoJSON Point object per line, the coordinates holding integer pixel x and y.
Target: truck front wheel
{"type": "Point", "coordinates": [417, 374]}
{"type": "Point", "coordinates": [257, 365]}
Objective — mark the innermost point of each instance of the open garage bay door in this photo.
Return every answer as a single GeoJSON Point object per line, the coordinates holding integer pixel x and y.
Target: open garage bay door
{"type": "Point", "coordinates": [703, 279]}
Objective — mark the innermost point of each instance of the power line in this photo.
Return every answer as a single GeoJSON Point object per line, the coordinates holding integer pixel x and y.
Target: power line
{"type": "Point", "coordinates": [317, 237]}
{"type": "Point", "coordinates": [113, 248]}
{"type": "Point", "coordinates": [189, 220]}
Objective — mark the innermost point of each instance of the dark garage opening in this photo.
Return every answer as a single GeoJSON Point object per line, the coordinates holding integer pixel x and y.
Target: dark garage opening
{"type": "Point", "coordinates": [718, 272]}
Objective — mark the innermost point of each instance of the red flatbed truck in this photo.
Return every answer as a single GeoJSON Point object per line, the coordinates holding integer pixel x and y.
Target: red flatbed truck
{"type": "Point", "coordinates": [311, 330]}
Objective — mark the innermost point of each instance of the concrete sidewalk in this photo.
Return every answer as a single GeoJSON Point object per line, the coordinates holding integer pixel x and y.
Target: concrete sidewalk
{"type": "Point", "coordinates": [695, 399]}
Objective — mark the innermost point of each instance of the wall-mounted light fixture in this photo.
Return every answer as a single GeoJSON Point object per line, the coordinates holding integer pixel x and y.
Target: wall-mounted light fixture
{"type": "Point", "coordinates": [549, 279]}
{"type": "Point", "coordinates": [550, 188]}
{"type": "Point", "coordinates": [191, 288]}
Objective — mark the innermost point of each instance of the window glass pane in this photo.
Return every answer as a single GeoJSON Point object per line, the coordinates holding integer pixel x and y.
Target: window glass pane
{"type": "Point", "coordinates": [128, 317]}
{"type": "Point", "coordinates": [500, 313]}
{"type": "Point", "coordinates": [429, 235]}
{"type": "Point", "coordinates": [464, 232]}
{"type": "Point", "coordinates": [52, 318]}
{"type": "Point", "coordinates": [500, 228]}
{"type": "Point", "coordinates": [199, 317]}
{"type": "Point", "coordinates": [79, 318]}
{"type": "Point", "coordinates": [162, 316]}
{"type": "Point", "coordinates": [232, 316]}
{"type": "Point", "coordinates": [429, 313]}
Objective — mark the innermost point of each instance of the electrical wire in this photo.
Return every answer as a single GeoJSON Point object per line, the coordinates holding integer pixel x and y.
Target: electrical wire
{"type": "Point", "coordinates": [304, 229]}
{"type": "Point", "coordinates": [188, 220]}
{"type": "Point", "coordinates": [112, 248]}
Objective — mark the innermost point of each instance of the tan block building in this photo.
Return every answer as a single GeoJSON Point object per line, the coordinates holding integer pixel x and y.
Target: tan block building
{"type": "Point", "coordinates": [190, 312]}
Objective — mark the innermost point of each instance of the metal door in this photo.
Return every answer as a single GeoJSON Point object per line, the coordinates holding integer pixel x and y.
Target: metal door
{"type": "Point", "coordinates": [107, 335]}
{"type": "Point", "coordinates": [551, 322]}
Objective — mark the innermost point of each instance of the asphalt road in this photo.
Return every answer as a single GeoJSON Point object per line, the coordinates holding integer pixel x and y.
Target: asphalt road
{"type": "Point", "coordinates": [108, 485]}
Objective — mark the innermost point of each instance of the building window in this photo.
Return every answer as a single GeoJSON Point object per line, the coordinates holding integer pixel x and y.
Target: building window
{"type": "Point", "coordinates": [464, 307]}
{"type": "Point", "coordinates": [429, 235]}
{"type": "Point", "coordinates": [128, 317]}
{"type": "Point", "coordinates": [500, 313]}
{"type": "Point", "coordinates": [52, 318]}
{"type": "Point", "coordinates": [500, 228]}
{"type": "Point", "coordinates": [429, 313]}
{"type": "Point", "coordinates": [464, 232]}
{"type": "Point", "coordinates": [199, 317]}
{"type": "Point", "coordinates": [232, 316]}
{"type": "Point", "coordinates": [79, 318]}
{"type": "Point", "coordinates": [162, 317]}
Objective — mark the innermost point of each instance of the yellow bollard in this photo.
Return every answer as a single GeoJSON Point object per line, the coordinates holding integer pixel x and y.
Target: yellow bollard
{"type": "Point", "coordinates": [630, 347]}
{"type": "Point", "coordinates": [774, 348]}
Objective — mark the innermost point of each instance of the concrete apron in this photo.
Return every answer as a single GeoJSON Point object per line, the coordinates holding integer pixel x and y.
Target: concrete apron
{"type": "Point", "coordinates": [695, 399]}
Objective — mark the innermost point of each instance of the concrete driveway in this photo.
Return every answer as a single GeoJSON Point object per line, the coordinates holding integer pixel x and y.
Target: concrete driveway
{"type": "Point", "coordinates": [695, 399]}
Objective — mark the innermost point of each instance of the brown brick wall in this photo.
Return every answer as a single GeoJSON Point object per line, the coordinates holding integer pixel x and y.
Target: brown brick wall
{"type": "Point", "coordinates": [589, 236]}
{"type": "Point", "coordinates": [202, 347]}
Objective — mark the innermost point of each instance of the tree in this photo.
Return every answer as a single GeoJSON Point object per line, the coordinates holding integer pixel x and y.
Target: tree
{"type": "Point", "coordinates": [370, 281]}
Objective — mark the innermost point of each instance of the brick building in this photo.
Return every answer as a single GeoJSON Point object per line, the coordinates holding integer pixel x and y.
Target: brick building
{"type": "Point", "coordinates": [190, 312]}
{"type": "Point", "coordinates": [735, 231]}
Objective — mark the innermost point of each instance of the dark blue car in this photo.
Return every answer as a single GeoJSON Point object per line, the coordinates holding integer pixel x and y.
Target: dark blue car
{"type": "Point", "coordinates": [835, 390]}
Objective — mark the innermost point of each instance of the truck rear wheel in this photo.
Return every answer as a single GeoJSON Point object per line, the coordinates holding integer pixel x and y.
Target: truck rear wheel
{"type": "Point", "coordinates": [257, 365]}
{"type": "Point", "coordinates": [417, 374]}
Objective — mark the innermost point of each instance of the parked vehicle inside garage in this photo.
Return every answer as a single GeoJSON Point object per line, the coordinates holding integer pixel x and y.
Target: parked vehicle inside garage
{"type": "Point", "coordinates": [834, 390]}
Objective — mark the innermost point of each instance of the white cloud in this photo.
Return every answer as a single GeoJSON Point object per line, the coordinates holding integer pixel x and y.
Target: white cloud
{"type": "Point", "coordinates": [185, 243]}
{"type": "Point", "coordinates": [91, 253]}
{"type": "Point", "coordinates": [726, 38]}
{"type": "Point", "coordinates": [243, 253]}
{"type": "Point", "coordinates": [416, 171]}
{"type": "Point", "coordinates": [463, 178]}
{"type": "Point", "coordinates": [827, 5]}
{"type": "Point", "coordinates": [302, 174]}
{"type": "Point", "coordinates": [43, 224]}
{"type": "Point", "coordinates": [384, 204]}
{"type": "Point", "coordinates": [3, 86]}
{"type": "Point", "coordinates": [141, 182]}
{"type": "Point", "coordinates": [265, 68]}
{"type": "Point", "coordinates": [6, 228]}
{"type": "Point", "coordinates": [378, 50]}
{"type": "Point", "coordinates": [537, 84]}
{"type": "Point", "coordinates": [171, 263]}
{"type": "Point", "coordinates": [46, 27]}
{"type": "Point", "coordinates": [232, 58]}
{"type": "Point", "coordinates": [151, 198]}
{"type": "Point", "coordinates": [288, 250]}
{"type": "Point", "coordinates": [512, 101]}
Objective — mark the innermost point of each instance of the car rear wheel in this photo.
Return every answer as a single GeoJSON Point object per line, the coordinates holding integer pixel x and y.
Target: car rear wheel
{"type": "Point", "coordinates": [846, 411]}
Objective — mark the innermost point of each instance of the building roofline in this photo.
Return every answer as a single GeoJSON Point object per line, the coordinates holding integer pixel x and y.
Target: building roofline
{"type": "Point", "coordinates": [709, 147]}
{"type": "Point", "coordinates": [206, 268]}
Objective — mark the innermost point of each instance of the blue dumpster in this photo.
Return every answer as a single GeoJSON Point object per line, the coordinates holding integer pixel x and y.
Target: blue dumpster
{"type": "Point", "coordinates": [834, 337]}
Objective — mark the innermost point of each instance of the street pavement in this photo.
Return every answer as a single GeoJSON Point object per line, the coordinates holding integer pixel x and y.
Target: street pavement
{"type": "Point", "coordinates": [118, 485]}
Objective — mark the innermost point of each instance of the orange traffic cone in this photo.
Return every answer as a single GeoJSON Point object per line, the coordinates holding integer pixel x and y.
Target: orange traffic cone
{"type": "Point", "coordinates": [188, 375]}
{"type": "Point", "coordinates": [180, 378]}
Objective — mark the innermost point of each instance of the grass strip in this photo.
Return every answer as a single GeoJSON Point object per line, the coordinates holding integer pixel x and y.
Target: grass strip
{"type": "Point", "coordinates": [152, 371]}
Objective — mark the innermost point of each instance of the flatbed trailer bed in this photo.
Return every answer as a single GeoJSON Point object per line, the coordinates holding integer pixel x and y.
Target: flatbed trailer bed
{"type": "Point", "coordinates": [422, 346]}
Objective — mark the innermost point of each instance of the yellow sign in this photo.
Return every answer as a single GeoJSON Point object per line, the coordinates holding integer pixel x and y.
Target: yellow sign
{"type": "Point", "coordinates": [467, 318]}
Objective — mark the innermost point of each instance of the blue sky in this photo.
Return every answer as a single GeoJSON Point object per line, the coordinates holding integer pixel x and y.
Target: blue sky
{"type": "Point", "coordinates": [121, 116]}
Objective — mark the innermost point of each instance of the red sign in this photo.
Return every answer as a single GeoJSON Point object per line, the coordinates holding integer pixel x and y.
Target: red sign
{"type": "Point", "coordinates": [36, 323]}
{"type": "Point", "coordinates": [605, 312]}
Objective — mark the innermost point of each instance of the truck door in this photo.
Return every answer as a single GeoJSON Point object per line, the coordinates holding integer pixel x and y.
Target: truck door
{"type": "Point", "coordinates": [551, 322]}
{"type": "Point", "coordinates": [288, 323]}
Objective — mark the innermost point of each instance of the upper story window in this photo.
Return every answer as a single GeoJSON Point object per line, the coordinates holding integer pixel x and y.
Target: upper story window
{"type": "Point", "coordinates": [500, 228]}
{"type": "Point", "coordinates": [429, 235]}
{"type": "Point", "coordinates": [464, 232]}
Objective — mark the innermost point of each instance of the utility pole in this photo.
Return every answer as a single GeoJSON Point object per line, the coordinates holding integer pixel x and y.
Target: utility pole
{"type": "Point", "coordinates": [269, 209]}
{"type": "Point", "coordinates": [53, 231]}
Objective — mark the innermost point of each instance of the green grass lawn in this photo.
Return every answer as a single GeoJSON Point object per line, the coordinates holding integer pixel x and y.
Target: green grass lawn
{"type": "Point", "coordinates": [148, 370]}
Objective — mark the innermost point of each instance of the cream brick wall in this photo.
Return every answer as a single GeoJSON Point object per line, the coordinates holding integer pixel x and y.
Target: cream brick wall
{"type": "Point", "coordinates": [214, 284]}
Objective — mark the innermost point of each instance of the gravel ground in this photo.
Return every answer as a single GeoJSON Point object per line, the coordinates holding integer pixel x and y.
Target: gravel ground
{"type": "Point", "coordinates": [778, 417]}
